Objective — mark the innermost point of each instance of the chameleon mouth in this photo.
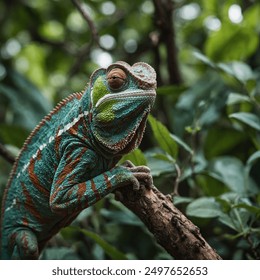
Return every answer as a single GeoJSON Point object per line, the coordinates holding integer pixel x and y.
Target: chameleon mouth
{"type": "Point", "coordinates": [127, 94]}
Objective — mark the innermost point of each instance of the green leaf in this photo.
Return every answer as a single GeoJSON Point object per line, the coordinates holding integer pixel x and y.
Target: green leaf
{"type": "Point", "coordinates": [252, 159]}
{"type": "Point", "coordinates": [230, 171]}
{"type": "Point", "coordinates": [204, 59]}
{"type": "Point", "coordinates": [209, 185]}
{"type": "Point", "coordinates": [52, 30]}
{"type": "Point", "coordinates": [121, 217]}
{"type": "Point", "coordinates": [136, 157]}
{"type": "Point", "coordinates": [225, 204]}
{"type": "Point", "coordinates": [226, 220]}
{"type": "Point", "coordinates": [234, 98]}
{"type": "Point", "coordinates": [181, 199]}
{"type": "Point", "coordinates": [236, 219]}
{"type": "Point", "coordinates": [13, 135]}
{"type": "Point", "coordinates": [251, 16]}
{"type": "Point", "coordinates": [231, 42]}
{"type": "Point", "coordinates": [163, 137]}
{"type": "Point", "coordinates": [250, 208]}
{"type": "Point", "coordinates": [248, 119]}
{"type": "Point", "coordinates": [109, 249]}
{"type": "Point", "coordinates": [26, 102]}
{"type": "Point", "coordinates": [36, 56]}
{"type": "Point", "coordinates": [237, 69]}
{"type": "Point", "coordinates": [159, 163]}
{"type": "Point", "coordinates": [201, 105]}
{"type": "Point", "coordinates": [164, 157]}
{"type": "Point", "coordinates": [181, 143]}
{"type": "Point", "coordinates": [221, 140]}
{"type": "Point", "coordinates": [29, 92]}
{"type": "Point", "coordinates": [61, 253]}
{"type": "Point", "coordinates": [204, 207]}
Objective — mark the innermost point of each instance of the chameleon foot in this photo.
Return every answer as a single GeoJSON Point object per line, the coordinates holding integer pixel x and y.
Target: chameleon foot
{"type": "Point", "coordinates": [26, 246]}
{"type": "Point", "coordinates": [141, 173]}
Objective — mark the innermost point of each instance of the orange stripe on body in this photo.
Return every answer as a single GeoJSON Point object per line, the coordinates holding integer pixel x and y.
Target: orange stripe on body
{"type": "Point", "coordinates": [108, 183]}
{"type": "Point", "coordinates": [30, 206]}
{"type": "Point", "coordinates": [69, 167]}
{"type": "Point", "coordinates": [25, 221]}
{"type": "Point", "coordinates": [71, 179]}
{"type": "Point", "coordinates": [74, 129]}
{"type": "Point", "coordinates": [65, 173]}
{"type": "Point", "coordinates": [81, 190]}
{"type": "Point", "coordinates": [82, 202]}
{"type": "Point", "coordinates": [33, 176]}
{"type": "Point", "coordinates": [94, 189]}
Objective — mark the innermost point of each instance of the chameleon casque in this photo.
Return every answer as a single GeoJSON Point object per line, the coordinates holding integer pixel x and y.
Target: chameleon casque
{"type": "Point", "coordinates": [69, 161]}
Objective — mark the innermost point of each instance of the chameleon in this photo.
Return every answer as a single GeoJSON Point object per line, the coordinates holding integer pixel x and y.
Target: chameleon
{"type": "Point", "coordinates": [70, 160]}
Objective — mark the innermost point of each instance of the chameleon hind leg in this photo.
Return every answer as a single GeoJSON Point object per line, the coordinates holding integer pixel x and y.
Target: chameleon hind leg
{"type": "Point", "coordinates": [25, 245]}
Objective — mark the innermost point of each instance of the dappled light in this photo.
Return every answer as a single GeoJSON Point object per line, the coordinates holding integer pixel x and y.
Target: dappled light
{"type": "Point", "coordinates": [202, 139]}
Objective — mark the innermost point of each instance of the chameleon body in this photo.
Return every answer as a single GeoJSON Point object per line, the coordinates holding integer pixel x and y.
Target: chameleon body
{"type": "Point", "coordinates": [69, 161]}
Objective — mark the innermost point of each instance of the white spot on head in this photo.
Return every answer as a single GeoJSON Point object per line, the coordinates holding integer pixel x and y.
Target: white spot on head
{"type": "Point", "coordinates": [12, 205]}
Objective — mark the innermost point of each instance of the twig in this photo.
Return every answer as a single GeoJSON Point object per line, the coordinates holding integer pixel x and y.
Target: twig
{"type": "Point", "coordinates": [82, 54]}
{"type": "Point", "coordinates": [177, 180]}
{"type": "Point", "coordinates": [6, 154]}
{"type": "Point", "coordinates": [85, 49]}
{"type": "Point", "coordinates": [155, 39]}
{"type": "Point", "coordinates": [89, 21]}
{"type": "Point", "coordinates": [254, 251]}
{"type": "Point", "coordinates": [164, 22]}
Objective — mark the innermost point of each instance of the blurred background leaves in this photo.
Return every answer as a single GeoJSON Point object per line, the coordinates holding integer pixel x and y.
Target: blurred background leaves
{"type": "Point", "coordinates": [203, 140]}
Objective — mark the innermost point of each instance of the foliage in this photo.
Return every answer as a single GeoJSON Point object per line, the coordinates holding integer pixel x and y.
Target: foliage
{"type": "Point", "coordinates": [203, 143]}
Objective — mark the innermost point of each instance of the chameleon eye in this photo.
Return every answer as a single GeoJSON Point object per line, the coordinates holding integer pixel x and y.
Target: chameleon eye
{"type": "Point", "coordinates": [116, 78]}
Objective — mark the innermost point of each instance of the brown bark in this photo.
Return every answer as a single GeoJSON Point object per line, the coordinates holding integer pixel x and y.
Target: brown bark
{"type": "Point", "coordinates": [171, 229]}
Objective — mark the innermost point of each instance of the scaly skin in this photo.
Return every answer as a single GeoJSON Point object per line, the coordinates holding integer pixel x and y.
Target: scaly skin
{"type": "Point", "coordinates": [69, 161]}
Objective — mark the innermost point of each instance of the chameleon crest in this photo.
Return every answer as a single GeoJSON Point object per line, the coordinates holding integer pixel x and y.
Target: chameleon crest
{"type": "Point", "coordinates": [69, 161]}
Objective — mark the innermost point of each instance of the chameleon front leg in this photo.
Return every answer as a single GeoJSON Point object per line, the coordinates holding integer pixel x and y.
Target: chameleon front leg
{"type": "Point", "coordinates": [68, 198]}
{"type": "Point", "coordinates": [73, 189]}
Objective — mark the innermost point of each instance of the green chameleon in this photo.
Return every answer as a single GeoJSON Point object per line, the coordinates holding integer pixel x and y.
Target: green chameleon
{"type": "Point", "coordinates": [69, 161]}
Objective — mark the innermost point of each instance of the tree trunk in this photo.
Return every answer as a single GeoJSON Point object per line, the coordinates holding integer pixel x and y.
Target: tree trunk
{"type": "Point", "coordinates": [172, 230]}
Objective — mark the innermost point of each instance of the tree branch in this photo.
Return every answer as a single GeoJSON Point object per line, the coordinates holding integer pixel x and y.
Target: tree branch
{"type": "Point", "coordinates": [172, 230]}
{"type": "Point", "coordinates": [164, 22]}
{"type": "Point", "coordinates": [85, 50]}
{"type": "Point", "coordinates": [89, 21]}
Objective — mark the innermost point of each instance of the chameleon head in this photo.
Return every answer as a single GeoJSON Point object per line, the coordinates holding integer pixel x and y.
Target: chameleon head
{"type": "Point", "coordinates": [121, 97]}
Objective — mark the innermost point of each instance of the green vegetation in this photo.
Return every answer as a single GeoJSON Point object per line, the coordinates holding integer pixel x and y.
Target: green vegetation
{"type": "Point", "coordinates": [203, 140]}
